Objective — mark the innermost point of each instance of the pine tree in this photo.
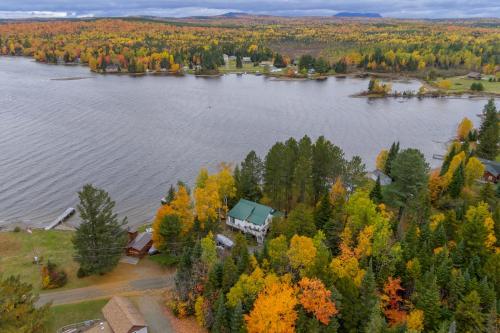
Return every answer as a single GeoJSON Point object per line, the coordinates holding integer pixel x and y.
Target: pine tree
{"type": "Point", "coordinates": [220, 320]}
{"type": "Point", "coordinates": [367, 297]}
{"type": "Point", "coordinates": [376, 192]}
{"type": "Point", "coordinates": [18, 312]}
{"type": "Point", "coordinates": [237, 322]}
{"type": "Point", "coordinates": [428, 300]}
{"type": "Point", "coordinates": [393, 152]}
{"type": "Point", "coordinates": [376, 322]}
{"type": "Point", "coordinates": [100, 239]}
{"type": "Point", "coordinates": [333, 230]}
{"type": "Point", "coordinates": [323, 212]}
{"type": "Point", "coordinates": [457, 182]}
{"type": "Point", "coordinates": [239, 63]}
{"type": "Point", "coordinates": [230, 274]}
{"type": "Point", "coordinates": [489, 132]}
{"type": "Point", "coordinates": [468, 315]}
{"type": "Point", "coordinates": [240, 254]}
{"type": "Point", "coordinates": [248, 178]}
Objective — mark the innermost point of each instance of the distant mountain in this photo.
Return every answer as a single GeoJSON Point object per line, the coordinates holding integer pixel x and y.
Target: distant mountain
{"type": "Point", "coordinates": [234, 14]}
{"type": "Point", "coordinates": [350, 14]}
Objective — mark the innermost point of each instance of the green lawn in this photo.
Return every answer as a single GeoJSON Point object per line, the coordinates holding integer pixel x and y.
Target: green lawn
{"type": "Point", "coordinates": [247, 67]}
{"type": "Point", "coordinates": [62, 315]}
{"type": "Point", "coordinates": [462, 84]}
{"type": "Point", "coordinates": [18, 248]}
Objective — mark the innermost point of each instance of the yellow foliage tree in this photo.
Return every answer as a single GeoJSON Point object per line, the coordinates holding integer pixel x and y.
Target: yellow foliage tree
{"type": "Point", "coordinates": [473, 170]}
{"type": "Point", "coordinates": [444, 84]}
{"type": "Point", "coordinates": [274, 310]}
{"type": "Point", "coordinates": [381, 159]}
{"type": "Point", "coordinates": [207, 200]}
{"type": "Point", "coordinates": [454, 164]}
{"type": "Point", "coordinates": [181, 207]}
{"type": "Point", "coordinates": [464, 128]}
{"type": "Point", "coordinates": [302, 252]}
{"type": "Point", "coordinates": [338, 192]}
{"type": "Point", "coordinates": [415, 321]}
{"type": "Point", "coordinates": [226, 184]}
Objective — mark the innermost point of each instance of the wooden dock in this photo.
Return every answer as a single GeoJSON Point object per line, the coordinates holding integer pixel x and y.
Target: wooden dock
{"type": "Point", "coordinates": [63, 217]}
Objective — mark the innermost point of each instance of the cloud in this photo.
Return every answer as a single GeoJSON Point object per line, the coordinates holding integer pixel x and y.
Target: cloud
{"type": "Point", "coordinates": [179, 8]}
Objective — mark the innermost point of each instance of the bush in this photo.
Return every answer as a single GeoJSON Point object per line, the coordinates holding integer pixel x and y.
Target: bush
{"type": "Point", "coordinates": [52, 277]}
{"type": "Point", "coordinates": [477, 86]}
{"type": "Point", "coordinates": [81, 273]}
{"type": "Point", "coordinates": [17, 229]}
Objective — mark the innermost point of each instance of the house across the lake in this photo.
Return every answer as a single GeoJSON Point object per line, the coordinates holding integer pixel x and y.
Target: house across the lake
{"type": "Point", "coordinates": [251, 218]}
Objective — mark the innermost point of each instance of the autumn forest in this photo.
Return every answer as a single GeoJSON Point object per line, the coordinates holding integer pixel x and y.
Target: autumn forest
{"type": "Point", "coordinates": [137, 45]}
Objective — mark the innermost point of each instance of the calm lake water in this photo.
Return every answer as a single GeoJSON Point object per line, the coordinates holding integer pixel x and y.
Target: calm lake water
{"type": "Point", "coordinates": [134, 136]}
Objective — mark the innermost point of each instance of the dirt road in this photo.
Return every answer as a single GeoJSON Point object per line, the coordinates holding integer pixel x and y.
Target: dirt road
{"type": "Point", "coordinates": [106, 290]}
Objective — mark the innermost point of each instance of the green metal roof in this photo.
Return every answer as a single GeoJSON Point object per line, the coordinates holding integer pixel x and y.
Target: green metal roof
{"type": "Point", "coordinates": [250, 211]}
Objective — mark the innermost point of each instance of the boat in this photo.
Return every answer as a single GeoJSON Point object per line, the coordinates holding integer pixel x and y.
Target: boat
{"type": "Point", "coordinates": [63, 217]}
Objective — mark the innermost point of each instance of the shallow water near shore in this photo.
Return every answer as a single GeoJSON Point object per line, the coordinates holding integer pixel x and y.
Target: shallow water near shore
{"type": "Point", "coordinates": [134, 136]}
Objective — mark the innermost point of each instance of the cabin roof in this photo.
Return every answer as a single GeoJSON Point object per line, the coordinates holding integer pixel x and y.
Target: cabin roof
{"type": "Point", "coordinates": [492, 167]}
{"type": "Point", "coordinates": [384, 179]}
{"type": "Point", "coordinates": [139, 242]}
{"type": "Point", "coordinates": [122, 315]}
{"type": "Point", "coordinates": [255, 213]}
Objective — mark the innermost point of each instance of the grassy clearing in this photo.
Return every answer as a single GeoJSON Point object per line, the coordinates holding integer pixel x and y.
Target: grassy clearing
{"type": "Point", "coordinates": [17, 250]}
{"type": "Point", "coordinates": [62, 315]}
{"type": "Point", "coordinates": [462, 84]}
{"type": "Point", "coordinates": [247, 67]}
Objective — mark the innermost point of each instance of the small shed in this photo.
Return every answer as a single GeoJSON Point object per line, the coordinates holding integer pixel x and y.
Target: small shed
{"type": "Point", "coordinates": [123, 317]}
{"type": "Point", "coordinates": [384, 179]}
{"type": "Point", "coordinates": [140, 245]}
{"type": "Point", "coordinates": [474, 75]}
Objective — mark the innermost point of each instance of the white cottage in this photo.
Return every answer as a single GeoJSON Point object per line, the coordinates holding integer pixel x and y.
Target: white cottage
{"type": "Point", "coordinates": [251, 218]}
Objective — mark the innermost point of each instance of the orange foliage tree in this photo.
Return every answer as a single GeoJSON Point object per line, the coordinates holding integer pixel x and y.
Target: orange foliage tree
{"type": "Point", "coordinates": [392, 301]}
{"type": "Point", "coordinates": [315, 298]}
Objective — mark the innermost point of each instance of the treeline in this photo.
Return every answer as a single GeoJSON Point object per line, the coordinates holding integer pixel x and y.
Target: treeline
{"type": "Point", "coordinates": [356, 256]}
{"type": "Point", "coordinates": [133, 46]}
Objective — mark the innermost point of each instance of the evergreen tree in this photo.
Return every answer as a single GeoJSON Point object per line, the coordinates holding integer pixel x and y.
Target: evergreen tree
{"type": "Point", "coordinates": [323, 212]}
{"type": "Point", "coordinates": [220, 324]}
{"type": "Point", "coordinates": [240, 254]}
{"type": "Point", "coordinates": [368, 298]}
{"type": "Point", "coordinates": [328, 163]}
{"type": "Point", "coordinates": [237, 322]}
{"type": "Point", "coordinates": [215, 276]}
{"type": "Point", "coordinates": [100, 239]}
{"type": "Point", "coordinates": [376, 322]}
{"type": "Point", "coordinates": [170, 231]}
{"type": "Point", "coordinates": [468, 315]}
{"type": "Point", "coordinates": [230, 274]}
{"type": "Point", "coordinates": [376, 192]}
{"type": "Point", "coordinates": [333, 231]}
{"type": "Point", "coordinates": [302, 175]}
{"type": "Point", "coordinates": [18, 312]}
{"type": "Point", "coordinates": [170, 194]}
{"type": "Point", "coordinates": [457, 182]}
{"type": "Point", "coordinates": [428, 300]}
{"type": "Point", "coordinates": [488, 195]}
{"type": "Point", "coordinates": [239, 63]}
{"type": "Point", "coordinates": [410, 173]}
{"type": "Point", "coordinates": [489, 132]}
{"type": "Point", "coordinates": [393, 152]}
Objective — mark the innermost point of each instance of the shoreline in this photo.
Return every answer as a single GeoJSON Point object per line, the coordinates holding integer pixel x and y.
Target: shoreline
{"type": "Point", "coordinates": [404, 76]}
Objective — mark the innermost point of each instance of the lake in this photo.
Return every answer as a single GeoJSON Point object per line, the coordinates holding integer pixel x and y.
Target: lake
{"type": "Point", "coordinates": [133, 136]}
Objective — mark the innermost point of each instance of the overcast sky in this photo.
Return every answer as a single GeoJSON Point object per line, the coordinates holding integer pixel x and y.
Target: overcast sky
{"type": "Point", "coordinates": [181, 8]}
